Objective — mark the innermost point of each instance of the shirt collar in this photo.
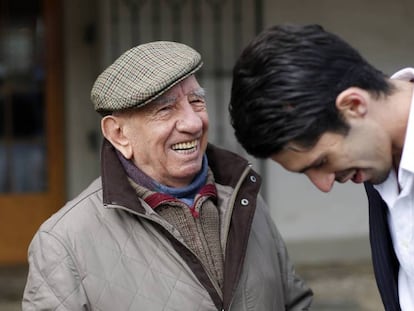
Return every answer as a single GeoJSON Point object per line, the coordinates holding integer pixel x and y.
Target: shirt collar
{"type": "Point", "coordinates": [406, 162]}
{"type": "Point", "coordinates": [406, 168]}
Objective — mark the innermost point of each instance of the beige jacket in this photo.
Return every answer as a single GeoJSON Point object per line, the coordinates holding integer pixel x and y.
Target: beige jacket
{"type": "Point", "coordinates": [108, 250]}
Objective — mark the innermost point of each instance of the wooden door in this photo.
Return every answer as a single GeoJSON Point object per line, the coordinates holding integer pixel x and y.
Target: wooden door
{"type": "Point", "coordinates": [31, 122]}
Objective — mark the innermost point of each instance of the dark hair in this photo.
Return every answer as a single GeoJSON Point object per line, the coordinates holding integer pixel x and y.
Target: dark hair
{"type": "Point", "coordinates": [285, 84]}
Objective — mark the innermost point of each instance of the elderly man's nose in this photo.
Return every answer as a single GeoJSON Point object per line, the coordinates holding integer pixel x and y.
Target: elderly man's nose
{"type": "Point", "coordinates": [189, 120]}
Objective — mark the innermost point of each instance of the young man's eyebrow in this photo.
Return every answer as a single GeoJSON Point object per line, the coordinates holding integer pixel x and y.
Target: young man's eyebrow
{"type": "Point", "coordinates": [315, 163]}
{"type": "Point", "coordinates": [307, 167]}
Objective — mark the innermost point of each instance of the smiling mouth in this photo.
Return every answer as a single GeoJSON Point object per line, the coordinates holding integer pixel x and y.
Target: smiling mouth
{"type": "Point", "coordinates": [185, 147]}
{"type": "Point", "coordinates": [355, 175]}
{"type": "Point", "coordinates": [358, 177]}
{"type": "Point", "coordinates": [346, 175]}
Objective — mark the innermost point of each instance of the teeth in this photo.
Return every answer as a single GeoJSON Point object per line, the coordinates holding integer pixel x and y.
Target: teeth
{"type": "Point", "coordinates": [185, 146]}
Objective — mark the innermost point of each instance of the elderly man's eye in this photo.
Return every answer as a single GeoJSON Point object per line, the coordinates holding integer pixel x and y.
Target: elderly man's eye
{"type": "Point", "coordinates": [196, 99]}
{"type": "Point", "coordinates": [165, 108]}
{"type": "Point", "coordinates": [197, 102]}
{"type": "Point", "coordinates": [168, 105]}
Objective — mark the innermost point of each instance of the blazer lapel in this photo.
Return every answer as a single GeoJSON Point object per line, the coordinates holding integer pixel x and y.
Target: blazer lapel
{"type": "Point", "coordinates": [384, 260]}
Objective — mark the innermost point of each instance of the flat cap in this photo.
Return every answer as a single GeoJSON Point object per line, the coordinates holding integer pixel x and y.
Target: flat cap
{"type": "Point", "coordinates": [142, 74]}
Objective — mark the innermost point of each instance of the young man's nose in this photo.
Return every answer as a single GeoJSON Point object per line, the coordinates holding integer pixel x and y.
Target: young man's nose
{"type": "Point", "coordinates": [323, 181]}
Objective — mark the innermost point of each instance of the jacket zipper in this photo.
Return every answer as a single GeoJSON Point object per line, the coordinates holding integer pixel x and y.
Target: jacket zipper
{"type": "Point", "coordinates": [168, 228]}
{"type": "Point", "coordinates": [225, 227]}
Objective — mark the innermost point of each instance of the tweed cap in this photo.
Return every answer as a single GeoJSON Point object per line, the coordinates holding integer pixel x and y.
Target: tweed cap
{"type": "Point", "coordinates": [142, 74]}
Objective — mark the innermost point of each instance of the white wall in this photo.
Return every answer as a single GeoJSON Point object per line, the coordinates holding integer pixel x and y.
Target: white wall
{"type": "Point", "coordinates": [334, 226]}
{"type": "Point", "coordinates": [380, 30]}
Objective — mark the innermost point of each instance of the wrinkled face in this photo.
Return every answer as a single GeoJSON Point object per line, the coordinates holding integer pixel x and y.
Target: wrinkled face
{"type": "Point", "coordinates": [362, 155]}
{"type": "Point", "coordinates": [168, 136]}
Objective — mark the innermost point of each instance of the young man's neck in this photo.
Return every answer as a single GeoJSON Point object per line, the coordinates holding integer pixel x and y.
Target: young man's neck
{"type": "Point", "coordinates": [398, 110]}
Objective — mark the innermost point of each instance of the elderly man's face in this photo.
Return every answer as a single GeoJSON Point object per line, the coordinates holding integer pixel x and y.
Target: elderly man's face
{"type": "Point", "coordinates": [168, 137]}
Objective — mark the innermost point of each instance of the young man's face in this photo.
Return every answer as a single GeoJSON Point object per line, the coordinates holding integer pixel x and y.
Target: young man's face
{"type": "Point", "coordinates": [168, 137]}
{"type": "Point", "coordinates": [364, 154]}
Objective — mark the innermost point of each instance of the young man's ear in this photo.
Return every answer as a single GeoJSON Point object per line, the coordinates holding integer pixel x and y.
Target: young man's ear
{"type": "Point", "coordinates": [353, 102]}
{"type": "Point", "coordinates": [113, 130]}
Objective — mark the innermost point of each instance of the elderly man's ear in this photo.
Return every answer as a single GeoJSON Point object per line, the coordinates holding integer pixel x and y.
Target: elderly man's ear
{"type": "Point", "coordinates": [113, 130]}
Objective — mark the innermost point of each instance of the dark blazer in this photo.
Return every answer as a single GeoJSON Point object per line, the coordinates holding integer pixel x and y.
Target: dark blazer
{"type": "Point", "coordinates": [384, 260]}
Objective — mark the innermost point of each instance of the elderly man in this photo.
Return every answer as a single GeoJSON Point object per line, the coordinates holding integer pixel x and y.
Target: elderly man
{"type": "Point", "coordinates": [173, 223]}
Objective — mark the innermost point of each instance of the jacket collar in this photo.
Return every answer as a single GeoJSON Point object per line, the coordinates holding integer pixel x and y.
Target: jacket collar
{"type": "Point", "coordinates": [115, 185]}
{"type": "Point", "coordinates": [228, 169]}
{"type": "Point", "coordinates": [226, 166]}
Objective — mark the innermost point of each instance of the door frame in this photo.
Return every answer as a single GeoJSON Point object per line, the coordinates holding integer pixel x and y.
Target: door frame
{"type": "Point", "coordinates": [22, 214]}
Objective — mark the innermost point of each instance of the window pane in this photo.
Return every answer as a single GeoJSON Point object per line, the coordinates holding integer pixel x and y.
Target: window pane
{"type": "Point", "coordinates": [28, 167]}
{"type": "Point", "coordinates": [23, 165]}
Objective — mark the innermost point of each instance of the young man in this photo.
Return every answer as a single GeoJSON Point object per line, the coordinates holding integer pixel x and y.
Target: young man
{"type": "Point", "coordinates": [306, 99]}
{"type": "Point", "coordinates": [173, 223]}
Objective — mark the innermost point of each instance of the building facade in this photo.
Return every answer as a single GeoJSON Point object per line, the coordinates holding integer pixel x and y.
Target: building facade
{"type": "Point", "coordinates": [52, 51]}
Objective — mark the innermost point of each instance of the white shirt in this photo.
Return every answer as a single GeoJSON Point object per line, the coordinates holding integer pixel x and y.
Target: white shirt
{"type": "Point", "coordinates": [401, 207]}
